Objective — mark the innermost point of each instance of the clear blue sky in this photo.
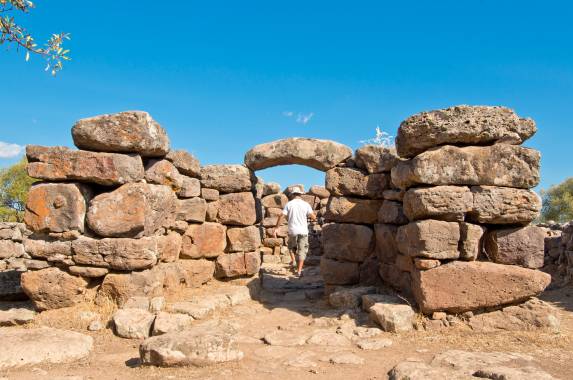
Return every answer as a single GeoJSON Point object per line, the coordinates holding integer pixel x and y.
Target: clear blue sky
{"type": "Point", "coordinates": [222, 76]}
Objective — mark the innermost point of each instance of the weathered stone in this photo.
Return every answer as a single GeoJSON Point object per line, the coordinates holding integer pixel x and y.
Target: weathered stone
{"type": "Point", "coordinates": [460, 286]}
{"type": "Point", "coordinates": [318, 154]}
{"type": "Point", "coordinates": [227, 178]}
{"type": "Point", "coordinates": [185, 163]}
{"type": "Point", "coordinates": [132, 210]}
{"type": "Point", "coordinates": [496, 165]}
{"type": "Point", "coordinates": [237, 209]}
{"type": "Point", "coordinates": [285, 338]}
{"type": "Point", "coordinates": [392, 213]}
{"type": "Point", "coordinates": [48, 249]}
{"type": "Point", "coordinates": [11, 231]}
{"type": "Point", "coordinates": [245, 239]}
{"type": "Point", "coordinates": [386, 246]}
{"type": "Point", "coordinates": [116, 253]}
{"type": "Point", "coordinates": [119, 287]}
{"type": "Point", "coordinates": [393, 316]}
{"type": "Point", "coordinates": [196, 272]}
{"type": "Point", "coordinates": [449, 203]}
{"type": "Point", "coordinates": [352, 210]}
{"type": "Point", "coordinates": [394, 195]}
{"type": "Point", "coordinates": [271, 188]}
{"type": "Point", "coordinates": [468, 125]}
{"type": "Point", "coordinates": [349, 298]}
{"type": "Point", "coordinates": [376, 159]}
{"type": "Point", "coordinates": [503, 205]}
{"type": "Point", "coordinates": [347, 242]}
{"type": "Point", "coordinates": [9, 248]}
{"type": "Point", "coordinates": [89, 272]}
{"type": "Point", "coordinates": [237, 264]}
{"type": "Point", "coordinates": [210, 194]}
{"type": "Point", "coordinates": [212, 211]}
{"type": "Point", "coordinates": [36, 264]}
{"type": "Point", "coordinates": [339, 272]}
{"type": "Point", "coordinates": [131, 131]}
{"type": "Point", "coordinates": [199, 346]}
{"type": "Point", "coordinates": [374, 344]}
{"type": "Point", "coordinates": [273, 242]}
{"type": "Point", "coordinates": [43, 345]}
{"type": "Point", "coordinates": [517, 246]}
{"type": "Point", "coordinates": [56, 207]}
{"type": "Point", "coordinates": [133, 323]}
{"type": "Point", "coordinates": [313, 201]}
{"type": "Point", "coordinates": [63, 164]}
{"type": "Point", "coordinates": [354, 182]}
{"type": "Point", "coordinates": [431, 239]}
{"type": "Point", "coordinates": [163, 172]}
{"type": "Point", "coordinates": [274, 200]}
{"type": "Point", "coordinates": [329, 339]}
{"type": "Point", "coordinates": [404, 263]}
{"type": "Point", "coordinates": [188, 187]}
{"type": "Point", "coordinates": [319, 191]}
{"type": "Point", "coordinates": [16, 316]}
{"type": "Point", "coordinates": [167, 322]}
{"type": "Point", "coordinates": [169, 247]}
{"type": "Point", "coordinates": [191, 210]}
{"type": "Point", "coordinates": [471, 242]}
{"type": "Point", "coordinates": [425, 264]}
{"type": "Point", "coordinates": [204, 240]}
{"type": "Point", "coordinates": [52, 288]}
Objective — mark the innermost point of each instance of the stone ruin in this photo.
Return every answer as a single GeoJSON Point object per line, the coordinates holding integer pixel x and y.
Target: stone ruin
{"type": "Point", "coordinates": [444, 218]}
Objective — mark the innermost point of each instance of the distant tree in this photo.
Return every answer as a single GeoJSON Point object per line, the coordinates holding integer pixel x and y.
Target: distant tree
{"type": "Point", "coordinates": [11, 33]}
{"type": "Point", "coordinates": [558, 202]}
{"type": "Point", "coordinates": [14, 186]}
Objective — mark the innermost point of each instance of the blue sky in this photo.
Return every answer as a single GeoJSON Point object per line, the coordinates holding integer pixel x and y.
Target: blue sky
{"type": "Point", "coordinates": [222, 76]}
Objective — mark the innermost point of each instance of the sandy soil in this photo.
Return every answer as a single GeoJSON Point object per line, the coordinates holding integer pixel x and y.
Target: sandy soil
{"type": "Point", "coordinates": [117, 358]}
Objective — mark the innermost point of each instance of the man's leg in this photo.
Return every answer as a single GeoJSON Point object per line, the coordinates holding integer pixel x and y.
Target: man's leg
{"type": "Point", "coordinates": [301, 251]}
{"type": "Point", "coordinates": [291, 245]}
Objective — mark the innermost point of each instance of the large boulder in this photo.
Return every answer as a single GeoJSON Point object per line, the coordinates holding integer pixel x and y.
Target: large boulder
{"type": "Point", "coordinates": [56, 207]}
{"type": "Point", "coordinates": [163, 172]}
{"type": "Point", "coordinates": [352, 210]}
{"type": "Point", "coordinates": [336, 272]}
{"type": "Point", "coordinates": [274, 201]}
{"type": "Point", "coordinates": [432, 239]}
{"type": "Point", "coordinates": [50, 250]}
{"type": "Point", "coordinates": [461, 286]}
{"type": "Point", "coordinates": [496, 165]}
{"type": "Point", "coordinates": [204, 240]}
{"type": "Point", "coordinates": [504, 205]}
{"type": "Point", "coordinates": [130, 132]}
{"type": "Point", "coordinates": [354, 182]}
{"type": "Point", "coordinates": [200, 346]}
{"type": "Point", "coordinates": [244, 239]}
{"type": "Point", "coordinates": [376, 158]}
{"type": "Point", "coordinates": [449, 203]}
{"type": "Point", "coordinates": [120, 287]}
{"type": "Point", "coordinates": [237, 209]}
{"type": "Point", "coordinates": [318, 154]}
{"type": "Point", "coordinates": [29, 347]}
{"type": "Point", "coordinates": [116, 253]}
{"type": "Point", "coordinates": [133, 323]}
{"type": "Point", "coordinates": [392, 212]}
{"type": "Point", "coordinates": [169, 247]}
{"type": "Point", "coordinates": [349, 242]}
{"type": "Point", "coordinates": [231, 265]}
{"type": "Point", "coordinates": [185, 162]}
{"type": "Point", "coordinates": [517, 246]}
{"type": "Point", "coordinates": [227, 178]}
{"type": "Point", "coordinates": [63, 164]}
{"type": "Point", "coordinates": [132, 210]}
{"type": "Point", "coordinates": [319, 191]}
{"type": "Point", "coordinates": [9, 248]}
{"type": "Point", "coordinates": [471, 241]}
{"type": "Point", "coordinates": [467, 125]}
{"type": "Point", "coordinates": [196, 272]}
{"type": "Point", "coordinates": [52, 288]}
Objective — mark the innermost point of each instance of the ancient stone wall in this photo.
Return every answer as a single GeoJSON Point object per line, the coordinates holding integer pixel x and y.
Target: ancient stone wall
{"type": "Point", "coordinates": [444, 218]}
{"type": "Point", "coordinates": [559, 252]}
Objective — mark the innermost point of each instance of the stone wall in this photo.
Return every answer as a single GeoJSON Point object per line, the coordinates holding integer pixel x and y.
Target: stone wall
{"type": "Point", "coordinates": [127, 216]}
{"type": "Point", "coordinates": [559, 252]}
{"type": "Point", "coordinates": [444, 218]}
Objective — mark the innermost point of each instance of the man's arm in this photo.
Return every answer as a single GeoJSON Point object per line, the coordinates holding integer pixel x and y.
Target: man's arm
{"type": "Point", "coordinates": [310, 214]}
{"type": "Point", "coordinates": [279, 221]}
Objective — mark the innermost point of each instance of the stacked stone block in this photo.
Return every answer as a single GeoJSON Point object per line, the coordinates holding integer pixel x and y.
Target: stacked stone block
{"type": "Point", "coordinates": [362, 196]}
{"type": "Point", "coordinates": [467, 197]}
{"type": "Point", "coordinates": [13, 259]}
{"type": "Point", "coordinates": [129, 216]}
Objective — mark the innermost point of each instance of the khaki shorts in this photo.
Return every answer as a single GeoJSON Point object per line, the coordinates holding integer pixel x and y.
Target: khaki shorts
{"type": "Point", "coordinates": [298, 244]}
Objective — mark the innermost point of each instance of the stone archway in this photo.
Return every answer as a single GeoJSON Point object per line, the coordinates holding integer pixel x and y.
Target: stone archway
{"type": "Point", "coordinates": [322, 155]}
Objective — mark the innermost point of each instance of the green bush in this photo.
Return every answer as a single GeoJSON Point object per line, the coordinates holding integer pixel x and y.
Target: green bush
{"type": "Point", "coordinates": [558, 202]}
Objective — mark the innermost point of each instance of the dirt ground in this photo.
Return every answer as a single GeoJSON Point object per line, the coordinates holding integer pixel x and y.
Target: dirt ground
{"type": "Point", "coordinates": [117, 358]}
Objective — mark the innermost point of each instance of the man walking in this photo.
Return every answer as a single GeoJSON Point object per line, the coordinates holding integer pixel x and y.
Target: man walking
{"type": "Point", "coordinates": [297, 211]}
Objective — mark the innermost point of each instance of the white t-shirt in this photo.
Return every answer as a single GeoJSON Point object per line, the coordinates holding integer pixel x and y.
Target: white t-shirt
{"type": "Point", "coordinates": [296, 212]}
